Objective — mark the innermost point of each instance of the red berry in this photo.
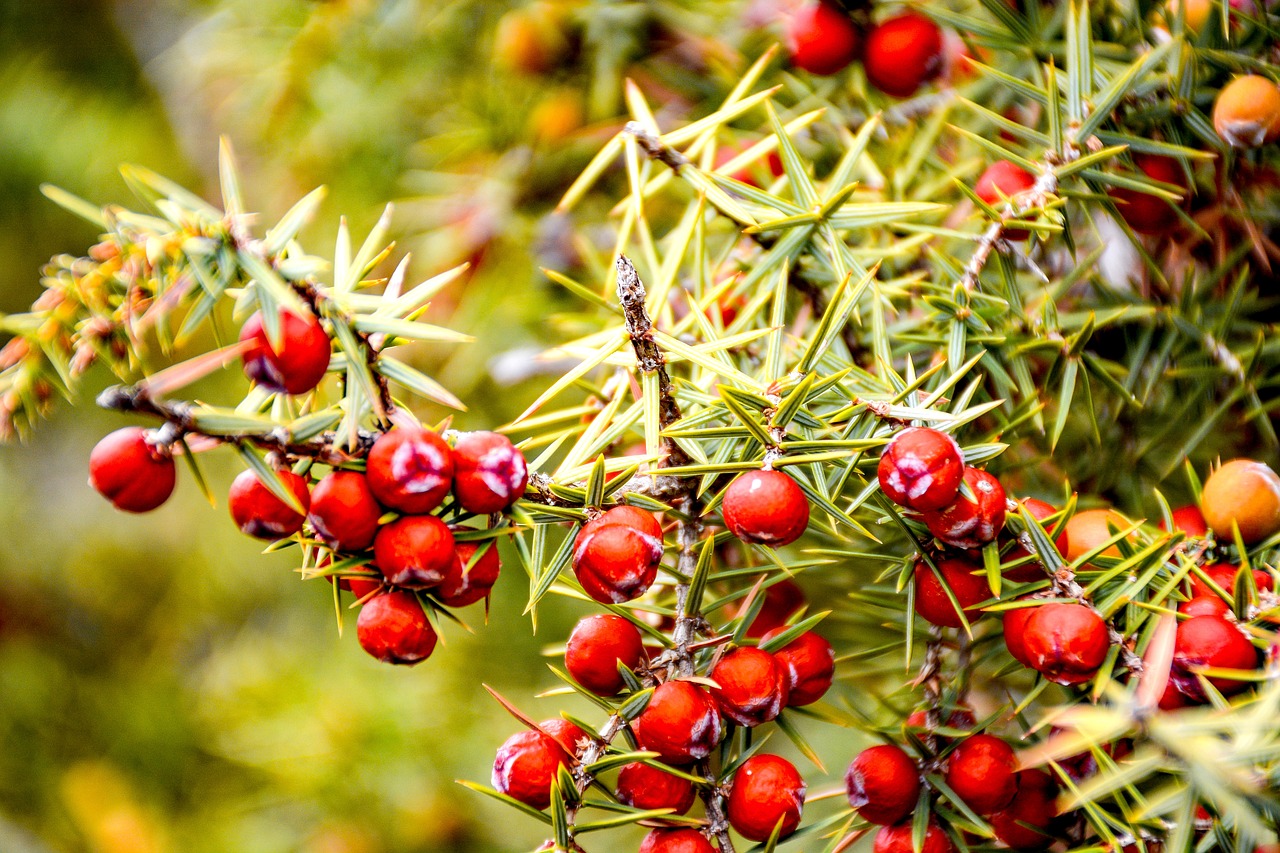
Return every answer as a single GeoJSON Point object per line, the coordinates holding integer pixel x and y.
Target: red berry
{"type": "Point", "coordinates": [259, 513]}
{"type": "Point", "coordinates": [642, 786]}
{"type": "Point", "coordinates": [810, 664]}
{"type": "Point", "coordinates": [301, 360]}
{"type": "Point", "coordinates": [1210, 641]}
{"type": "Point", "coordinates": [568, 735]}
{"type": "Point", "coordinates": [765, 508]}
{"type": "Point", "coordinates": [897, 839]}
{"type": "Point", "coordinates": [1066, 642]}
{"type": "Point", "coordinates": [1204, 605]}
{"type": "Point", "coordinates": [1146, 213]}
{"type": "Point", "coordinates": [782, 600]}
{"type": "Point", "coordinates": [359, 586]}
{"type": "Point", "coordinates": [729, 306]}
{"type": "Point", "coordinates": [526, 765]}
{"type": "Point", "coordinates": [961, 719]}
{"type": "Point", "coordinates": [969, 524]}
{"type": "Point", "coordinates": [1033, 571]}
{"type": "Point", "coordinates": [394, 628]}
{"type": "Point", "coordinates": [1190, 521]}
{"type": "Point", "coordinates": [680, 723]}
{"type": "Point", "coordinates": [410, 470]}
{"type": "Point", "coordinates": [902, 53]}
{"type": "Point", "coordinates": [344, 511]}
{"type": "Point", "coordinates": [753, 686]}
{"type": "Point", "coordinates": [616, 555]}
{"type": "Point", "coordinates": [130, 472]}
{"type": "Point", "coordinates": [921, 469]}
{"type": "Point", "coordinates": [982, 771]}
{"type": "Point", "coordinates": [821, 39]}
{"type": "Point", "coordinates": [415, 551]}
{"type": "Point", "coordinates": [489, 473]}
{"type": "Point", "coordinates": [1015, 633]}
{"type": "Point", "coordinates": [1224, 575]}
{"type": "Point", "coordinates": [470, 577]}
{"type": "Point", "coordinates": [969, 589]}
{"type": "Point", "coordinates": [596, 647]}
{"type": "Point", "coordinates": [998, 184]}
{"type": "Point", "coordinates": [883, 783]}
{"type": "Point", "coordinates": [1024, 825]}
{"type": "Point", "coordinates": [767, 792]}
{"type": "Point", "coordinates": [675, 841]}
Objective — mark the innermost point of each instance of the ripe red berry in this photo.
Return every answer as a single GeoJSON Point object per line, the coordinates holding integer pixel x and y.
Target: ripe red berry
{"type": "Point", "coordinates": [596, 647]}
{"type": "Point", "coordinates": [971, 524]}
{"type": "Point", "coordinates": [1244, 493]}
{"type": "Point", "coordinates": [1015, 633]}
{"type": "Point", "coordinates": [883, 784]}
{"type": "Point", "coordinates": [765, 508]}
{"type": "Point", "coordinates": [1066, 642]}
{"type": "Point", "coordinates": [410, 470]}
{"type": "Point", "coordinates": [753, 686]}
{"type": "Point", "coordinates": [810, 665]}
{"type": "Point", "coordinates": [1190, 521]}
{"type": "Point", "coordinates": [1024, 825]}
{"type": "Point", "coordinates": [130, 472]}
{"type": "Point", "coordinates": [1033, 571]}
{"type": "Point", "coordinates": [902, 53]}
{"type": "Point", "coordinates": [526, 765]}
{"type": "Point", "coordinates": [675, 841]}
{"type": "Point", "coordinates": [415, 551]}
{"type": "Point", "coordinates": [1204, 605]}
{"type": "Point", "coordinates": [616, 555]}
{"type": "Point", "coordinates": [921, 469]}
{"type": "Point", "coordinates": [1000, 182]}
{"type": "Point", "coordinates": [297, 365]}
{"type": "Point", "coordinates": [394, 628]}
{"type": "Point", "coordinates": [897, 839]}
{"type": "Point", "coordinates": [1147, 213]}
{"type": "Point", "coordinates": [960, 719]}
{"type": "Point", "coordinates": [344, 511]}
{"type": "Point", "coordinates": [642, 521]}
{"type": "Point", "coordinates": [821, 38]}
{"type": "Point", "coordinates": [1210, 641]}
{"type": "Point", "coordinates": [565, 733]}
{"type": "Point", "coordinates": [680, 723]}
{"type": "Point", "coordinates": [471, 575]}
{"type": "Point", "coordinates": [1224, 575]}
{"type": "Point", "coordinates": [982, 771]}
{"type": "Point", "coordinates": [969, 589]}
{"type": "Point", "coordinates": [642, 786]}
{"type": "Point", "coordinates": [489, 473]}
{"type": "Point", "coordinates": [782, 600]}
{"type": "Point", "coordinates": [767, 792]}
{"type": "Point", "coordinates": [259, 513]}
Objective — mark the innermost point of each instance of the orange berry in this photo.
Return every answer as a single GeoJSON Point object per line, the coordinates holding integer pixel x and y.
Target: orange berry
{"type": "Point", "coordinates": [1244, 492]}
{"type": "Point", "coordinates": [1247, 111]}
{"type": "Point", "coordinates": [1089, 529]}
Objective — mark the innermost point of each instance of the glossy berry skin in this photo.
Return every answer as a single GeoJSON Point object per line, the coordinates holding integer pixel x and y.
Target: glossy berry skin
{"type": "Point", "coordinates": [1033, 571]}
{"type": "Point", "coordinates": [897, 839]}
{"type": "Point", "coordinates": [767, 791]}
{"type": "Point", "coordinates": [675, 841]}
{"type": "Point", "coordinates": [1246, 113]}
{"type": "Point", "coordinates": [680, 723]}
{"type": "Point", "coordinates": [344, 512]}
{"type": "Point", "coordinates": [1066, 642]}
{"type": "Point", "coordinates": [902, 53]}
{"type": "Point", "coordinates": [526, 765]}
{"type": "Point", "coordinates": [259, 513]}
{"type": "Point", "coordinates": [394, 629]}
{"type": "Point", "coordinates": [410, 470]}
{"type": "Point", "coordinates": [982, 771]}
{"type": "Point", "coordinates": [301, 360]}
{"type": "Point", "coordinates": [1000, 182]}
{"type": "Point", "coordinates": [1204, 605]}
{"type": "Point", "coordinates": [971, 524]}
{"type": "Point", "coordinates": [1146, 213]}
{"type": "Point", "coordinates": [596, 647]}
{"type": "Point", "coordinates": [1015, 633]}
{"type": "Point", "coordinates": [1025, 824]}
{"type": "Point", "coordinates": [1190, 521]}
{"type": "Point", "coordinates": [921, 468]}
{"type": "Point", "coordinates": [883, 784]}
{"type": "Point", "coordinates": [765, 508]}
{"type": "Point", "coordinates": [628, 516]}
{"type": "Point", "coordinates": [616, 561]}
{"type": "Point", "coordinates": [489, 473]}
{"type": "Point", "coordinates": [753, 686]}
{"type": "Point", "coordinates": [1210, 641]}
{"type": "Point", "coordinates": [1088, 529]}
{"type": "Point", "coordinates": [782, 600]}
{"type": "Point", "coordinates": [1224, 575]}
{"type": "Point", "coordinates": [471, 575]}
{"type": "Point", "coordinates": [932, 602]}
{"type": "Point", "coordinates": [810, 664]}
{"type": "Point", "coordinates": [1246, 493]}
{"type": "Point", "coordinates": [565, 733]}
{"type": "Point", "coordinates": [128, 471]}
{"type": "Point", "coordinates": [821, 39]}
{"type": "Point", "coordinates": [416, 551]}
{"type": "Point", "coordinates": [642, 786]}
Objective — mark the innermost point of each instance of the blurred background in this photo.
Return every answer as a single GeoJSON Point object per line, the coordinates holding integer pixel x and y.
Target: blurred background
{"type": "Point", "coordinates": [163, 686]}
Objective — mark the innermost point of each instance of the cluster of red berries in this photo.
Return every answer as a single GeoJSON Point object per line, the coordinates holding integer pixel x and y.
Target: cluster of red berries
{"type": "Point", "coordinates": [379, 521]}
{"type": "Point", "coordinates": [898, 54]}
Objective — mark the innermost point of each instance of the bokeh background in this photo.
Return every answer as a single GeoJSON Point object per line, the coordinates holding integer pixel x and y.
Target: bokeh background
{"type": "Point", "coordinates": [163, 686]}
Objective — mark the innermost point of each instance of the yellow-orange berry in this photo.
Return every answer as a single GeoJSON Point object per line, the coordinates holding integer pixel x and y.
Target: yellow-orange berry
{"type": "Point", "coordinates": [1088, 529]}
{"type": "Point", "coordinates": [1247, 112]}
{"type": "Point", "coordinates": [1244, 492]}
